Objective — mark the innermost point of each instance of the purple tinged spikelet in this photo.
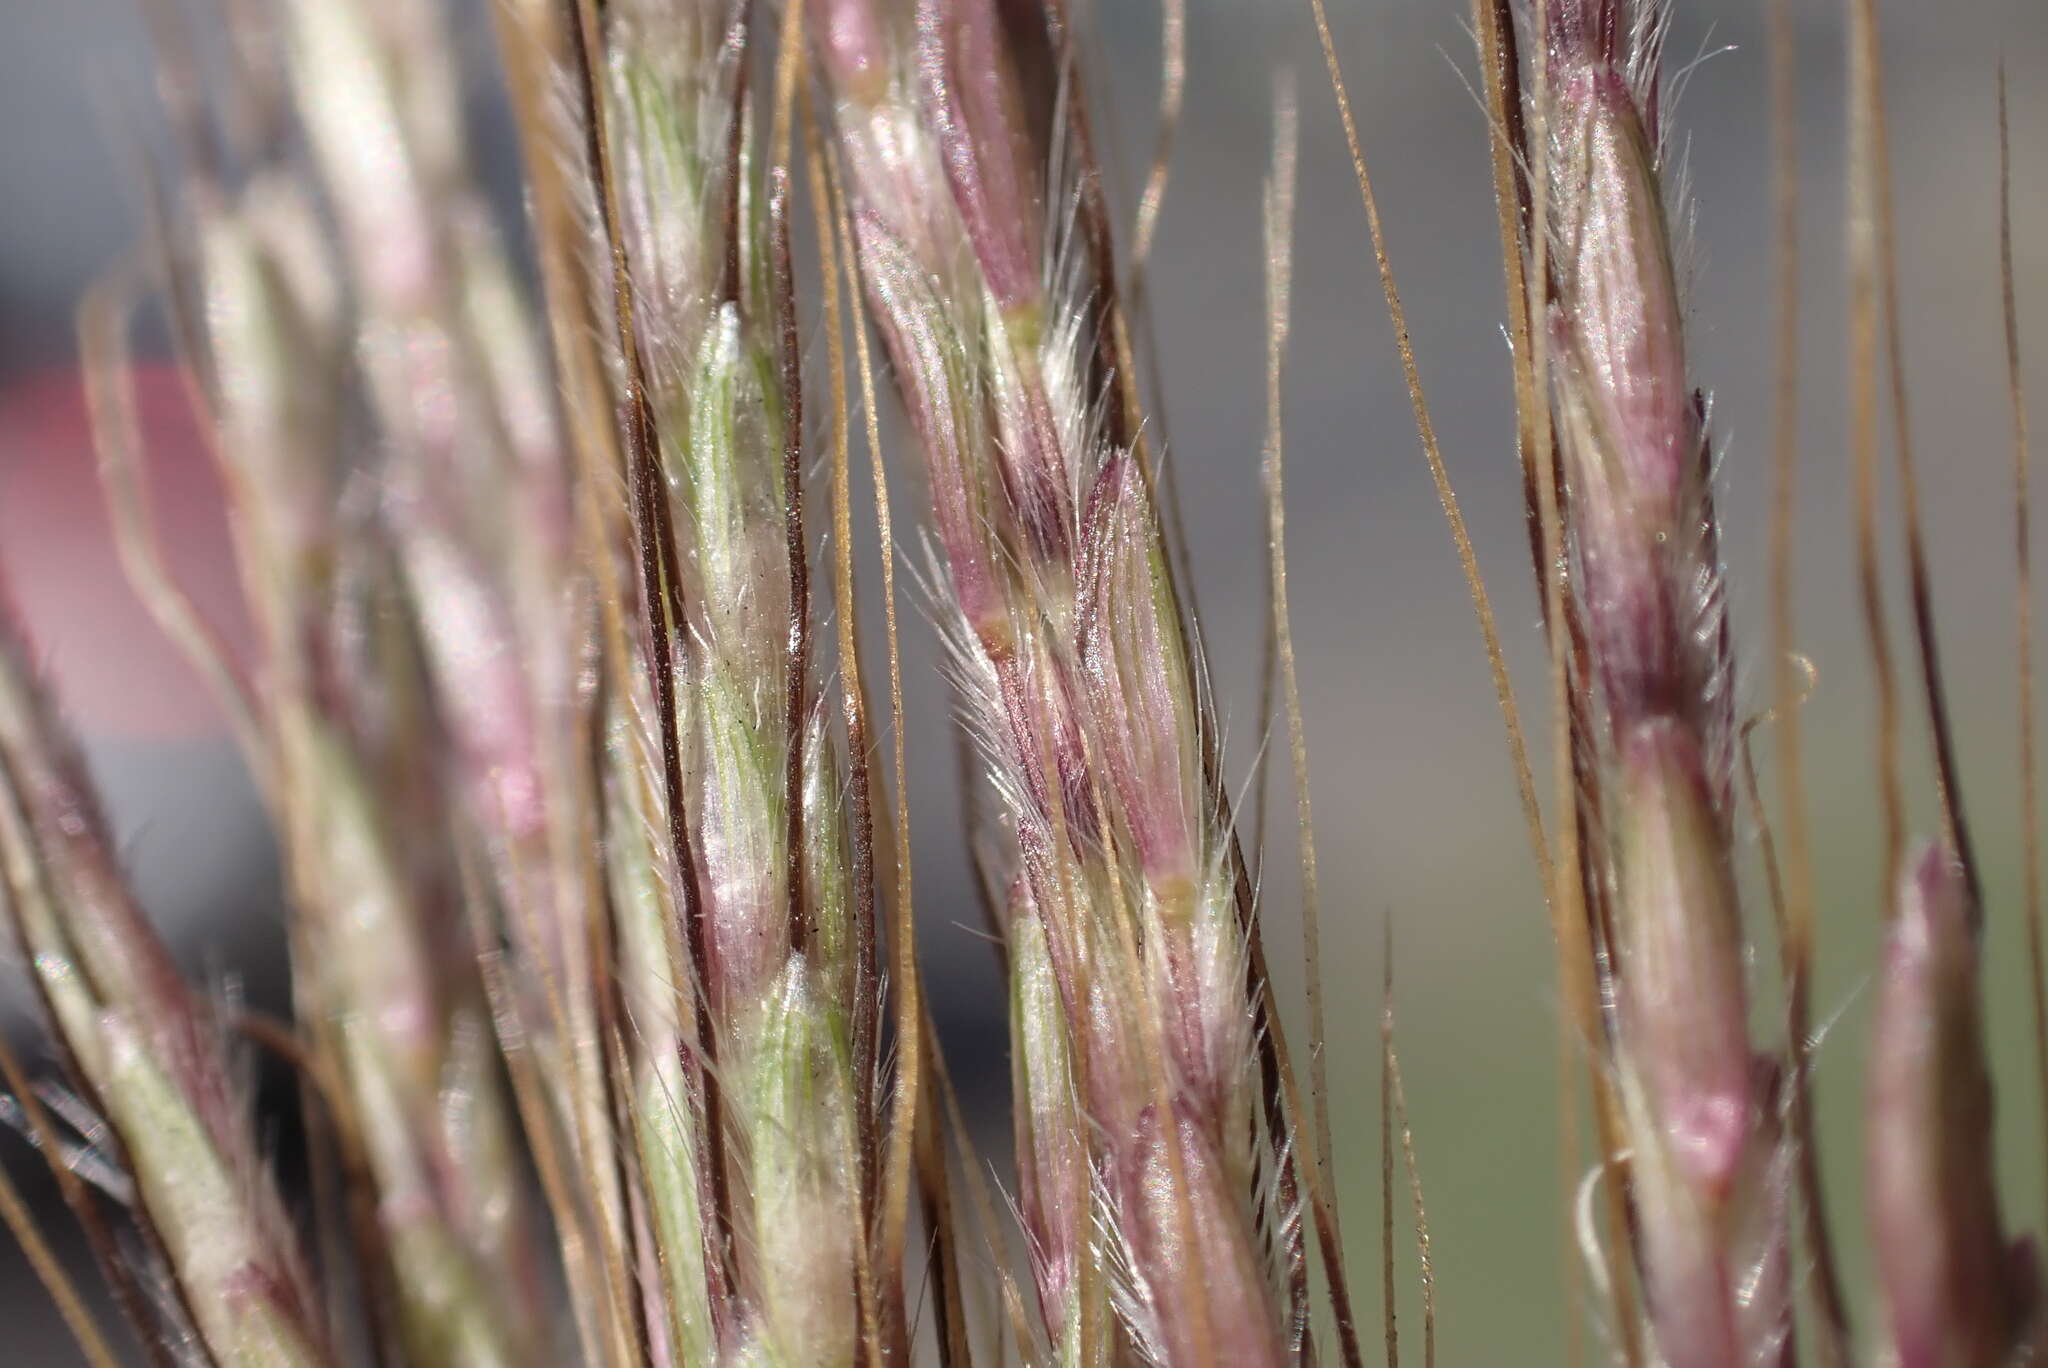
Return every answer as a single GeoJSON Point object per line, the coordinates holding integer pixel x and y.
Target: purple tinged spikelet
{"type": "Point", "coordinates": [1068, 650]}
{"type": "Point", "coordinates": [1683, 1013]}
{"type": "Point", "coordinates": [383, 963]}
{"type": "Point", "coordinates": [1709, 1168]}
{"type": "Point", "coordinates": [1706, 1155]}
{"type": "Point", "coordinates": [930, 376]}
{"type": "Point", "coordinates": [892, 161]}
{"type": "Point", "coordinates": [975, 109]}
{"type": "Point", "coordinates": [1716, 1269]}
{"type": "Point", "coordinates": [1138, 684]}
{"type": "Point", "coordinates": [1141, 699]}
{"type": "Point", "coordinates": [1164, 1201]}
{"type": "Point", "coordinates": [1632, 440]}
{"type": "Point", "coordinates": [1955, 1293]}
{"type": "Point", "coordinates": [1054, 1178]}
{"type": "Point", "coordinates": [935, 349]}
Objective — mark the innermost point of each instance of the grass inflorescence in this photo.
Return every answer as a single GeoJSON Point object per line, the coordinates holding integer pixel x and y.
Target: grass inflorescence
{"type": "Point", "coordinates": [608, 1028]}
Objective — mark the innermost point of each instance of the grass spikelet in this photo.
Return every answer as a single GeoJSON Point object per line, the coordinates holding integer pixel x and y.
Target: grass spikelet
{"type": "Point", "coordinates": [1654, 686]}
{"type": "Point", "coordinates": [592, 874]}
{"type": "Point", "coordinates": [769, 925]}
{"type": "Point", "coordinates": [1060, 607]}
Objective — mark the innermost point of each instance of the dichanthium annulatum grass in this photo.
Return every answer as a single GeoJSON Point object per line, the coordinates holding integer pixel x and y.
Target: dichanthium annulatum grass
{"type": "Point", "coordinates": [576, 690]}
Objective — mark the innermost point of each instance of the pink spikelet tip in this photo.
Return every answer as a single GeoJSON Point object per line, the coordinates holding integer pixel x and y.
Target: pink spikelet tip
{"type": "Point", "coordinates": [975, 108]}
{"type": "Point", "coordinates": [1631, 426]}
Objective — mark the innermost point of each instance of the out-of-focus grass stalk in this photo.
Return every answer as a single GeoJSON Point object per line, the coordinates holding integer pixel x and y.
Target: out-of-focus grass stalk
{"type": "Point", "coordinates": [1955, 1294]}
{"type": "Point", "coordinates": [1067, 644]}
{"type": "Point", "coordinates": [385, 977]}
{"type": "Point", "coordinates": [477, 493]}
{"type": "Point", "coordinates": [350, 749]}
{"type": "Point", "coordinates": [146, 1053]}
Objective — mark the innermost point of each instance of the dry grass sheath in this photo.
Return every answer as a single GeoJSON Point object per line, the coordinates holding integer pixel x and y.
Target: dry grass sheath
{"type": "Point", "coordinates": [593, 877]}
